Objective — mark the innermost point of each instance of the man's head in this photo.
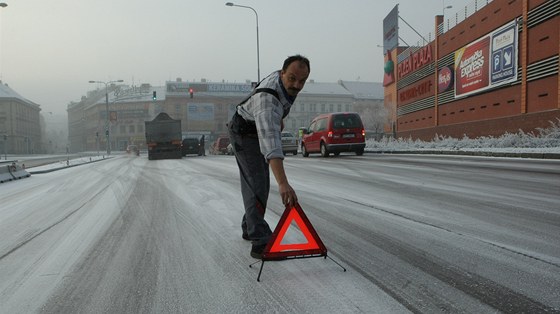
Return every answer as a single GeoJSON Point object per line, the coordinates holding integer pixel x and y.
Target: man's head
{"type": "Point", "coordinates": [295, 72]}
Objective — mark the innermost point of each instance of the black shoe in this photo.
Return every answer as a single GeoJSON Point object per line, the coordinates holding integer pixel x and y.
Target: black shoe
{"type": "Point", "coordinates": [245, 236]}
{"type": "Point", "coordinates": [257, 250]}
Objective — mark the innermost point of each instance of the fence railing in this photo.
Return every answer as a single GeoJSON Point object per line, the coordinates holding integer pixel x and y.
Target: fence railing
{"type": "Point", "coordinates": [448, 23]}
{"type": "Point", "coordinates": [461, 15]}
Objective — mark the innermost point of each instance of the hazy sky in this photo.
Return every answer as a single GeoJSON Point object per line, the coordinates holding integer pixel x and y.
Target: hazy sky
{"type": "Point", "coordinates": [49, 50]}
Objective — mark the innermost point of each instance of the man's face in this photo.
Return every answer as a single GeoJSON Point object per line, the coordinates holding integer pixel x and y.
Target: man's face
{"type": "Point", "coordinates": [294, 77]}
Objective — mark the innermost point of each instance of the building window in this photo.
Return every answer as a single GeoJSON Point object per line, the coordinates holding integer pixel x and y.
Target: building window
{"type": "Point", "coordinates": [347, 108]}
{"type": "Point", "coordinates": [322, 107]}
{"type": "Point", "coordinates": [331, 108]}
{"type": "Point", "coordinates": [339, 107]}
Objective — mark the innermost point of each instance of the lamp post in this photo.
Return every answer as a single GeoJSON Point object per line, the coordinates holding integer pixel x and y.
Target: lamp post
{"type": "Point", "coordinates": [231, 4]}
{"type": "Point", "coordinates": [107, 123]}
{"type": "Point", "coordinates": [5, 147]}
{"type": "Point", "coordinates": [3, 4]}
{"type": "Point", "coordinates": [446, 7]}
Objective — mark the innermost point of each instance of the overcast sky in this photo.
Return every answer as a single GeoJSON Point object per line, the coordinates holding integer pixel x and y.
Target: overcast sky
{"type": "Point", "coordinates": [49, 50]}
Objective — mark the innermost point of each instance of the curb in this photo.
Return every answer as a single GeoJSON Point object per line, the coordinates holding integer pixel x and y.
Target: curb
{"type": "Point", "coordinates": [469, 153]}
{"type": "Point", "coordinates": [65, 167]}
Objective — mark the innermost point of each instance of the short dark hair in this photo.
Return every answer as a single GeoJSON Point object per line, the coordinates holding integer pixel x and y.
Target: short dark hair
{"type": "Point", "coordinates": [294, 58]}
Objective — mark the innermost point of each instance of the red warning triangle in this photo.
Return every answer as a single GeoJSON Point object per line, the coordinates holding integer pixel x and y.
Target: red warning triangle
{"type": "Point", "coordinates": [276, 250]}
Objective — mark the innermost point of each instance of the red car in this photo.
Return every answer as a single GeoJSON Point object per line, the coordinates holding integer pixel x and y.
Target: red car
{"type": "Point", "coordinates": [219, 146]}
{"type": "Point", "coordinates": [334, 133]}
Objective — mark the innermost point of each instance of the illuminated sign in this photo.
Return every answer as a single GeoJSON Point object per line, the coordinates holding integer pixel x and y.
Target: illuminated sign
{"type": "Point", "coordinates": [445, 79]}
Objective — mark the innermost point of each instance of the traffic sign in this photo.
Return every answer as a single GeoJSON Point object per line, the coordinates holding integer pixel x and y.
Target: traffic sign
{"type": "Point", "coordinates": [276, 249]}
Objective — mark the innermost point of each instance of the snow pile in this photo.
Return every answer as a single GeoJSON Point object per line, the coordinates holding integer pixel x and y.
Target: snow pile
{"type": "Point", "coordinates": [547, 141]}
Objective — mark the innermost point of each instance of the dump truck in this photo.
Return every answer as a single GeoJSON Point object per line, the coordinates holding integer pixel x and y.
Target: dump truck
{"type": "Point", "coordinates": [163, 137]}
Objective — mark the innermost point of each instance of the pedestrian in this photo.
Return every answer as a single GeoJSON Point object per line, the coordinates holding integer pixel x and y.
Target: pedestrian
{"type": "Point", "coordinates": [202, 150]}
{"type": "Point", "coordinates": [255, 134]}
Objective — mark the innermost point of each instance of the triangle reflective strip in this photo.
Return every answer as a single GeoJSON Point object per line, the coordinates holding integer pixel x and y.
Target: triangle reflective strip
{"type": "Point", "coordinates": [275, 249]}
{"type": "Point", "coordinates": [277, 246]}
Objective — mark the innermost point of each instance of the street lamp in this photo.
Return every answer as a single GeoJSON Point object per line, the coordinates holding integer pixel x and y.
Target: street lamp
{"type": "Point", "coordinates": [231, 4]}
{"type": "Point", "coordinates": [107, 111]}
{"type": "Point", "coordinates": [3, 5]}
{"type": "Point", "coordinates": [447, 7]}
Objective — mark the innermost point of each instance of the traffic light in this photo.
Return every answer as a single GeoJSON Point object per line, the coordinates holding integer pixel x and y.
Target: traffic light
{"type": "Point", "coordinates": [191, 92]}
{"type": "Point", "coordinates": [154, 97]}
{"type": "Point", "coordinates": [107, 133]}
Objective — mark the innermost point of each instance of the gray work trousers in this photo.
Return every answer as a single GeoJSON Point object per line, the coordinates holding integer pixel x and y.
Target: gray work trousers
{"type": "Point", "coordinates": [255, 186]}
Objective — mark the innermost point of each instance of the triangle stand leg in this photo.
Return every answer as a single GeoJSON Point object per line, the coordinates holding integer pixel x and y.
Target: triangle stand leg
{"type": "Point", "coordinates": [260, 270]}
{"type": "Point", "coordinates": [295, 257]}
{"type": "Point", "coordinates": [337, 263]}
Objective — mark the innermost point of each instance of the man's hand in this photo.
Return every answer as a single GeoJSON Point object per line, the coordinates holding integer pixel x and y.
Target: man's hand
{"type": "Point", "coordinates": [287, 193]}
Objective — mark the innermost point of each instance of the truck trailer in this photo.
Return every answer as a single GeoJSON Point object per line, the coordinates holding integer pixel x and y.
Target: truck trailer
{"type": "Point", "coordinates": [163, 137]}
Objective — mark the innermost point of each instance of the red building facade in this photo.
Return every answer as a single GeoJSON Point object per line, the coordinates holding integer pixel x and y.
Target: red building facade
{"type": "Point", "coordinates": [492, 73]}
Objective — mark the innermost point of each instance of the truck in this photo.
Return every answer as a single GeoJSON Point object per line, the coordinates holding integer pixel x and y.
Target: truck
{"type": "Point", "coordinates": [163, 137]}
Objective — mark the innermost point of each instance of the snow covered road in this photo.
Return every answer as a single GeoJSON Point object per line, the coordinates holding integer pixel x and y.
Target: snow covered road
{"type": "Point", "coordinates": [418, 234]}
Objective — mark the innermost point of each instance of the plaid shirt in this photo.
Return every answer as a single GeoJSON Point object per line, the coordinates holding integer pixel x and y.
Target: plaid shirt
{"type": "Point", "coordinates": [268, 111]}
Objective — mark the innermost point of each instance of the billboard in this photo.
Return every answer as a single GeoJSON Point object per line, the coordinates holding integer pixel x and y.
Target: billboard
{"type": "Point", "coordinates": [200, 112]}
{"type": "Point", "coordinates": [200, 117]}
{"type": "Point", "coordinates": [391, 30]}
{"type": "Point", "coordinates": [488, 62]}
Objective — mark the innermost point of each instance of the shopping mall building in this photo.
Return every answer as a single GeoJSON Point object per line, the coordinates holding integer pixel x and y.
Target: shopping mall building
{"type": "Point", "coordinates": [492, 68]}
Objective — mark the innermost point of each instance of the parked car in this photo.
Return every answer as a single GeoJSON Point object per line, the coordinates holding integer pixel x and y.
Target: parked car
{"type": "Point", "coordinates": [219, 146]}
{"type": "Point", "coordinates": [132, 149]}
{"type": "Point", "coordinates": [289, 143]}
{"type": "Point", "coordinates": [190, 145]}
{"type": "Point", "coordinates": [334, 133]}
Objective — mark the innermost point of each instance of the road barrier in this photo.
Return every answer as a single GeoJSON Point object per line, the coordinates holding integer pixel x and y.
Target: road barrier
{"type": "Point", "coordinates": [12, 172]}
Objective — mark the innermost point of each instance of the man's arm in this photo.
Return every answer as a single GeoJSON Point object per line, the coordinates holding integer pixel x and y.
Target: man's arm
{"type": "Point", "coordinates": [287, 193]}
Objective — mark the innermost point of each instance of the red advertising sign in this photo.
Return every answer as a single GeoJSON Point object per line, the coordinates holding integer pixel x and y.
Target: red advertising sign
{"type": "Point", "coordinates": [413, 92]}
{"type": "Point", "coordinates": [472, 67]}
{"type": "Point", "coordinates": [445, 79]}
{"type": "Point", "coordinates": [415, 61]}
{"type": "Point", "coordinates": [113, 116]}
